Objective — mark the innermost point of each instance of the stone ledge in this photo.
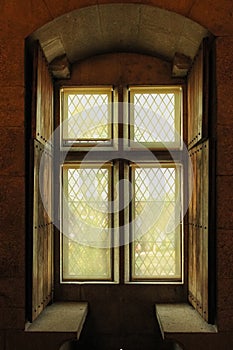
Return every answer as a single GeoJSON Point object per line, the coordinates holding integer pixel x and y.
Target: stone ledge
{"type": "Point", "coordinates": [181, 318]}
{"type": "Point", "coordinates": [61, 317]}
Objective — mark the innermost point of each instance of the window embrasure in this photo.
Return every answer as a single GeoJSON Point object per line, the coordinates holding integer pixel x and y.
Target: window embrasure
{"type": "Point", "coordinates": [91, 197]}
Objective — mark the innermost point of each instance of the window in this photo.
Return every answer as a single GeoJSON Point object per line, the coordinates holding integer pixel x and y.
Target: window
{"type": "Point", "coordinates": [87, 252]}
{"type": "Point", "coordinates": [156, 242]}
{"type": "Point", "coordinates": [155, 117]}
{"type": "Point", "coordinates": [121, 185]}
{"type": "Point", "coordinates": [86, 115]}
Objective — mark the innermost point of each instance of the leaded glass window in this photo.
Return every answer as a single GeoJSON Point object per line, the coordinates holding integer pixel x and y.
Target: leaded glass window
{"type": "Point", "coordinates": [99, 213]}
{"type": "Point", "coordinates": [156, 208]}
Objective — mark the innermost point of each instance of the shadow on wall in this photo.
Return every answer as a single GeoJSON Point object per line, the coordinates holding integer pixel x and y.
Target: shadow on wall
{"type": "Point", "coordinates": [69, 345]}
{"type": "Point", "coordinates": [167, 345]}
{"type": "Point", "coordinates": [171, 345]}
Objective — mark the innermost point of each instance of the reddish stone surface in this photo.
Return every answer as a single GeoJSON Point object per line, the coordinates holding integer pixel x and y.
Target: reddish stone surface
{"type": "Point", "coordinates": [12, 151]}
{"type": "Point", "coordinates": [21, 340]}
{"type": "Point", "coordinates": [2, 340]}
{"type": "Point", "coordinates": [12, 242]}
{"type": "Point", "coordinates": [182, 6]}
{"type": "Point", "coordinates": [224, 202]}
{"type": "Point", "coordinates": [224, 150]}
{"type": "Point", "coordinates": [11, 296]}
{"type": "Point", "coordinates": [224, 253]}
{"type": "Point", "coordinates": [203, 341]}
{"type": "Point", "coordinates": [122, 68]}
{"type": "Point", "coordinates": [58, 8]}
{"type": "Point", "coordinates": [224, 77]}
{"type": "Point", "coordinates": [12, 106]}
{"type": "Point", "coordinates": [224, 304]}
{"type": "Point", "coordinates": [11, 62]}
{"type": "Point", "coordinates": [12, 318]}
{"type": "Point", "coordinates": [215, 15]}
{"type": "Point", "coordinates": [19, 17]}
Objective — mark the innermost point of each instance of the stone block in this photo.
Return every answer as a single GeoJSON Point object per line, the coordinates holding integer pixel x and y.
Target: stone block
{"type": "Point", "coordinates": [224, 202]}
{"type": "Point", "coordinates": [12, 243]}
{"type": "Point", "coordinates": [224, 304]}
{"type": "Point", "coordinates": [182, 6]}
{"type": "Point", "coordinates": [83, 72]}
{"type": "Point", "coordinates": [133, 69]}
{"type": "Point", "coordinates": [12, 292]}
{"type": "Point", "coordinates": [224, 78]}
{"type": "Point", "coordinates": [21, 18]}
{"type": "Point", "coordinates": [119, 23]}
{"type": "Point", "coordinates": [20, 340]}
{"type": "Point", "coordinates": [12, 318]}
{"type": "Point", "coordinates": [224, 253]}
{"type": "Point", "coordinates": [106, 319]}
{"type": "Point", "coordinates": [225, 320]}
{"type": "Point", "coordinates": [137, 317]}
{"type": "Point", "coordinates": [58, 8]}
{"type": "Point", "coordinates": [2, 340]}
{"type": "Point", "coordinates": [11, 255]}
{"type": "Point", "coordinates": [213, 14]}
{"type": "Point", "coordinates": [164, 21]}
{"type": "Point", "coordinates": [12, 147]}
{"type": "Point", "coordinates": [130, 342]}
{"type": "Point", "coordinates": [12, 106]}
{"type": "Point", "coordinates": [11, 61]}
{"type": "Point", "coordinates": [154, 43]}
{"type": "Point", "coordinates": [224, 150]}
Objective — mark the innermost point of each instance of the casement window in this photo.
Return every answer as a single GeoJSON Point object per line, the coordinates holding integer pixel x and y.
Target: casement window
{"type": "Point", "coordinates": [155, 251]}
{"type": "Point", "coordinates": [86, 115]}
{"type": "Point", "coordinates": [121, 187]}
{"type": "Point", "coordinates": [87, 244]}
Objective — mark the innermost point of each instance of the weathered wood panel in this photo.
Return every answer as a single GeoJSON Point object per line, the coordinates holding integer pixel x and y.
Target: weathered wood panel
{"type": "Point", "coordinates": [42, 233]}
{"type": "Point", "coordinates": [42, 269]}
{"type": "Point", "coordinates": [198, 97]}
{"type": "Point", "coordinates": [192, 235]}
{"type": "Point", "coordinates": [198, 230]}
{"type": "Point", "coordinates": [43, 126]}
{"type": "Point", "coordinates": [205, 229]}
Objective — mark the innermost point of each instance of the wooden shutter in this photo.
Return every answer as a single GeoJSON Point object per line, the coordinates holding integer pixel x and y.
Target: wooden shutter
{"type": "Point", "coordinates": [42, 230]}
{"type": "Point", "coordinates": [199, 230]}
{"type": "Point", "coordinates": [198, 86]}
{"type": "Point", "coordinates": [199, 210]}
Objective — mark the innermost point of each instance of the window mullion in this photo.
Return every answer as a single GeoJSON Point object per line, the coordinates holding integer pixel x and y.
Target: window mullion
{"type": "Point", "coordinates": [121, 219]}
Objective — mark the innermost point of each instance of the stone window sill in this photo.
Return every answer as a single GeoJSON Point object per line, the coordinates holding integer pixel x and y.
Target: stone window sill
{"type": "Point", "coordinates": [61, 317]}
{"type": "Point", "coordinates": [181, 318]}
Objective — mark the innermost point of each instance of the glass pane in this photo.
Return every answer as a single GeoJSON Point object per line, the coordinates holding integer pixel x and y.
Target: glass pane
{"type": "Point", "coordinates": [156, 115]}
{"type": "Point", "coordinates": [85, 263]}
{"type": "Point", "coordinates": [156, 245]}
{"type": "Point", "coordinates": [87, 114]}
{"type": "Point", "coordinates": [86, 223]}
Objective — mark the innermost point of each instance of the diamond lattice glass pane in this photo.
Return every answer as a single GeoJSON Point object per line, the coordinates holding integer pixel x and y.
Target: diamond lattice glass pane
{"type": "Point", "coordinates": [86, 223]}
{"type": "Point", "coordinates": [86, 263]}
{"type": "Point", "coordinates": [156, 116]}
{"type": "Point", "coordinates": [87, 115]}
{"type": "Point", "coordinates": [156, 246]}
